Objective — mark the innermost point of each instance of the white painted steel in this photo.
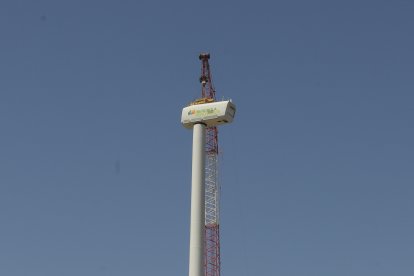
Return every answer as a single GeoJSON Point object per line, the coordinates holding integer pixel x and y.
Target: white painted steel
{"type": "Point", "coordinates": [212, 197]}
{"type": "Point", "coordinates": [196, 267]}
{"type": "Point", "coordinates": [211, 114]}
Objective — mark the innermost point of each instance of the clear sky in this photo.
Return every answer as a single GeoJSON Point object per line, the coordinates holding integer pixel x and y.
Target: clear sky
{"type": "Point", "coordinates": [317, 170]}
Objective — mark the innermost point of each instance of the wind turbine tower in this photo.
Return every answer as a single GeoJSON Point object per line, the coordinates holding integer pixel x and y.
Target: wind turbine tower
{"type": "Point", "coordinates": [203, 116]}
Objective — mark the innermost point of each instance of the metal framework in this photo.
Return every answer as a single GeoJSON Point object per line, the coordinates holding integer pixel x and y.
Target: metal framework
{"type": "Point", "coordinates": [212, 190]}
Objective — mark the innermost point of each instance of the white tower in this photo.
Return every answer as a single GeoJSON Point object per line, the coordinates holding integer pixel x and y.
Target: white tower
{"type": "Point", "coordinates": [199, 115]}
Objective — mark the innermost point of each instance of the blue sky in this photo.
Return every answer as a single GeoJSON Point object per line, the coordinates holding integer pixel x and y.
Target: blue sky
{"type": "Point", "coordinates": [316, 171]}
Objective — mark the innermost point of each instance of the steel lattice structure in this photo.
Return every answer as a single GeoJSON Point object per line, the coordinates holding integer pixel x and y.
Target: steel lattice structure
{"type": "Point", "coordinates": [212, 189]}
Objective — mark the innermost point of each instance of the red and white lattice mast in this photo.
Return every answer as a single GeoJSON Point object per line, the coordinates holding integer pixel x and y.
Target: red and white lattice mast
{"type": "Point", "coordinates": [212, 187]}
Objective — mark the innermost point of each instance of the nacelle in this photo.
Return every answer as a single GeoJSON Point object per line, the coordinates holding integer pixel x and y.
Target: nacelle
{"type": "Point", "coordinates": [210, 114]}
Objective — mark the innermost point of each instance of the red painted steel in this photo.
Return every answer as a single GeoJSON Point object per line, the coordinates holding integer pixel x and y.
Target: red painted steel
{"type": "Point", "coordinates": [212, 250]}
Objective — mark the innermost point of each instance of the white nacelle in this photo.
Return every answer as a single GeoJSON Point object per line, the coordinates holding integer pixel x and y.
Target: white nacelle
{"type": "Point", "coordinates": [210, 114]}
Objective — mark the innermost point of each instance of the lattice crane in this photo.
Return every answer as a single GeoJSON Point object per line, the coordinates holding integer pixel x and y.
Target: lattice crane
{"type": "Point", "coordinates": [212, 187]}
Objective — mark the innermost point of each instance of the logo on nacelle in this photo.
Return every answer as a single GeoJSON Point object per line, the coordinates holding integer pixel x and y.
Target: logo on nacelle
{"type": "Point", "coordinates": [203, 112]}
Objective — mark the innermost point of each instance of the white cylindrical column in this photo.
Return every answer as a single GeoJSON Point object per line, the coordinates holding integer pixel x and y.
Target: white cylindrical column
{"type": "Point", "coordinates": [197, 202]}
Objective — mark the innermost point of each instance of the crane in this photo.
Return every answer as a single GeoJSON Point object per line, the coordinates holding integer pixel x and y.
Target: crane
{"type": "Point", "coordinates": [212, 187]}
